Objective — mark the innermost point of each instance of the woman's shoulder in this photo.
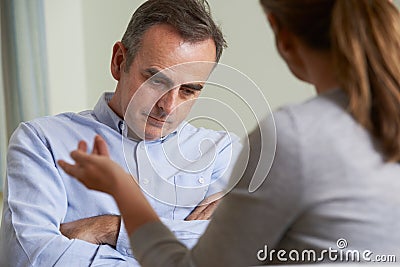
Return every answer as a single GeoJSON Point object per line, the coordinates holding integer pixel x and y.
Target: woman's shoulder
{"type": "Point", "coordinates": [323, 113]}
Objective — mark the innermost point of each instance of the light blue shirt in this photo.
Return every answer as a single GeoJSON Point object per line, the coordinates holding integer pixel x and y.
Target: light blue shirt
{"type": "Point", "coordinates": [177, 172]}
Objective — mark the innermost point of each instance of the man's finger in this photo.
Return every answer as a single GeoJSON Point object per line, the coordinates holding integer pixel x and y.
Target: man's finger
{"type": "Point", "coordinates": [212, 198]}
{"type": "Point", "coordinates": [196, 213]}
{"type": "Point", "coordinates": [209, 210]}
{"type": "Point", "coordinates": [203, 212]}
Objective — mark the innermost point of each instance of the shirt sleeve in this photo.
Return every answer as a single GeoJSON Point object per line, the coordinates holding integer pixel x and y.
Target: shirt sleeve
{"type": "Point", "coordinates": [35, 203]}
{"type": "Point", "coordinates": [123, 244]}
{"type": "Point", "coordinates": [245, 222]}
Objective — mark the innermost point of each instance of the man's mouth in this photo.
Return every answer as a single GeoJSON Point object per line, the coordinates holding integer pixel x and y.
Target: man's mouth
{"type": "Point", "coordinates": [156, 120]}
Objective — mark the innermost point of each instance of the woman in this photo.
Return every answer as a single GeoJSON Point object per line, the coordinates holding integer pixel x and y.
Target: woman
{"type": "Point", "coordinates": [335, 179]}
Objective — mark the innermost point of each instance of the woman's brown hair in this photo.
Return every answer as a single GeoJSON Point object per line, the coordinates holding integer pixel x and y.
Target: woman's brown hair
{"type": "Point", "coordinates": [364, 39]}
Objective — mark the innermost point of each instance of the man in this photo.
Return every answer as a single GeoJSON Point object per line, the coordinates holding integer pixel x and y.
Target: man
{"type": "Point", "coordinates": [50, 219]}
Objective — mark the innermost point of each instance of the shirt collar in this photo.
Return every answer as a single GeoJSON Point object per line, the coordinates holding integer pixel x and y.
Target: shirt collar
{"type": "Point", "coordinates": [107, 116]}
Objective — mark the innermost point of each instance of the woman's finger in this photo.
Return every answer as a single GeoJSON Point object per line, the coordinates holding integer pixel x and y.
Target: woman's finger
{"type": "Point", "coordinates": [70, 169]}
{"type": "Point", "coordinates": [82, 146]}
{"type": "Point", "coordinates": [80, 157]}
{"type": "Point", "coordinates": [101, 146]}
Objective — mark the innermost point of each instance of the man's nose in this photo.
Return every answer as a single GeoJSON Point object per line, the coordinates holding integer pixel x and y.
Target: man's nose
{"type": "Point", "coordinates": [169, 101]}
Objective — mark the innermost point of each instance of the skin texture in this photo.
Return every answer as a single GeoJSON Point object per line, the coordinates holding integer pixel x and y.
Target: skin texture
{"type": "Point", "coordinates": [157, 109]}
{"type": "Point", "coordinates": [97, 230]}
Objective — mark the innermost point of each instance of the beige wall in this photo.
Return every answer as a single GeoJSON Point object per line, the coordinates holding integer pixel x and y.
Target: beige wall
{"type": "Point", "coordinates": [104, 23]}
{"type": "Point", "coordinates": [66, 62]}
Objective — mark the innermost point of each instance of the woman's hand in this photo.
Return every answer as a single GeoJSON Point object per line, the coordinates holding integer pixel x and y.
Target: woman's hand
{"type": "Point", "coordinates": [96, 170]}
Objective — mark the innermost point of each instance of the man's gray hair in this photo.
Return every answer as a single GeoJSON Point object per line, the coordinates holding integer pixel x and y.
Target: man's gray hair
{"type": "Point", "coordinates": [191, 18]}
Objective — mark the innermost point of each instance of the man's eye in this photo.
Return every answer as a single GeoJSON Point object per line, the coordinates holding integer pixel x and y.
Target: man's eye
{"type": "Point", "coordinates": [156, 81]}
{"type": "Point", "coordinates": [158, 84]}
{"type": "Point", "coordinates": [187, 92]}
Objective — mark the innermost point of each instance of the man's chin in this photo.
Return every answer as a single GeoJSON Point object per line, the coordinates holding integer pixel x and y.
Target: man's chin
{"type": "Point", "coordinates": [155, 135]}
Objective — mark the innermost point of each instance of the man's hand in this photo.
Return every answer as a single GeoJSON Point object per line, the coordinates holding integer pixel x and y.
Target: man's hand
{"type": "Point", "coordinates": [98, 230]}
{"type": "Point", "coordinates": [206, 208]}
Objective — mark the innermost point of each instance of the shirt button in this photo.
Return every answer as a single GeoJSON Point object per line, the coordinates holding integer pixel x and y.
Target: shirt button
{"type": "Point", "coordinates": [201, 180]}
{"type": "Point", "coordinates": [141, 146]}
{"type": "Point", "coordinates": [121, 125]}
{"type": "Point", "coordinates": [146, 181]}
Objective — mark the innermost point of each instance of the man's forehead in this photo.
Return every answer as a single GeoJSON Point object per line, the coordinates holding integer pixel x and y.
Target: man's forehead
{"type": "Point", "coordinates": [193, 72]}
{"type": "Point", "coordinates": [163, 42]}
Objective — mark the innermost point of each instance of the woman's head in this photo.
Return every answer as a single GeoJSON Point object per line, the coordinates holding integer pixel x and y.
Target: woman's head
{"type": "Point", "coordinates": [310, 20]}
{"type": "Point", "coordinates": [362, 38]}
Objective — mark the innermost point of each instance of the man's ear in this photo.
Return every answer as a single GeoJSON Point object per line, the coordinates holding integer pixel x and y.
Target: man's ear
{"type": "Point", "coordinates": [283, 38]}
{"type": "Point", "coordinates": [118, 60]}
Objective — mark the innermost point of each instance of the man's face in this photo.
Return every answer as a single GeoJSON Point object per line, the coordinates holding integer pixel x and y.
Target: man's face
{"type": "Point", "coordinates": [161, 103]}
